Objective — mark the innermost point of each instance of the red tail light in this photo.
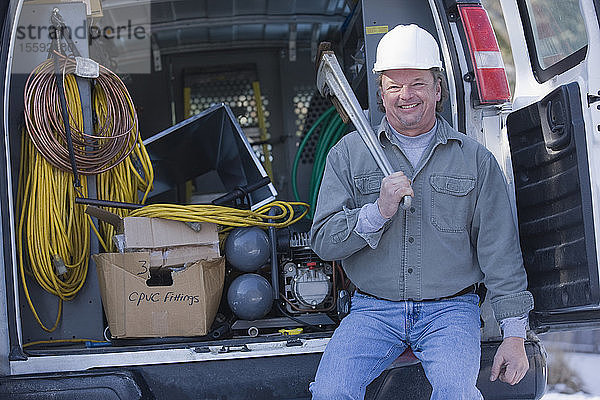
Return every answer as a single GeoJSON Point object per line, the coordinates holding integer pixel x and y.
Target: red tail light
{"type": "Point", "coordinates": [490, 75]}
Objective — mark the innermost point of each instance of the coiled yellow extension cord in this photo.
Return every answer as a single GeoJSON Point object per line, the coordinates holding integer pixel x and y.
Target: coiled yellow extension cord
{"type": "Point", "coordinates": [230, 217]}
{"type": "Point", "coordinates": [53, 229]}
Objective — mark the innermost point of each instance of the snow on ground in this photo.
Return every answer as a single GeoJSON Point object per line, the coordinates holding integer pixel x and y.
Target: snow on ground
{"type": "Point", "coordinates": [585, 366]}
{"type": "Point", "coordinates": [576, 396]}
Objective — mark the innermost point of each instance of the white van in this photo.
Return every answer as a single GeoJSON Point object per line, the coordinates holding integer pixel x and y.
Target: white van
{"type": "Point", "coordinates": [202, 57]}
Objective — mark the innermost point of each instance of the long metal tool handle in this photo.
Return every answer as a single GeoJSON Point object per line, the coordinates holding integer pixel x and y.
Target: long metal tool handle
{"type": "Point", "coordinates": [331, 81]}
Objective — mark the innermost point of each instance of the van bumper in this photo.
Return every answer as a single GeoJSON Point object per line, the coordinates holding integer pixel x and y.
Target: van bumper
{"type": "Point", "coordinates": [264, 378]}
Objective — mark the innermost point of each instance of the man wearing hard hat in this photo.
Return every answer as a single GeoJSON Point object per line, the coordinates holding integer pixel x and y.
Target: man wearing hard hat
{"type": "Point", "coordinates": [416, 271]}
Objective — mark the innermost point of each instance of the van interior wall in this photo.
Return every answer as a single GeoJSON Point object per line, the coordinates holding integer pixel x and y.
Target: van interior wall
{"type": "Point", "coordinates": [8, 329]}
{"type": "Point", "coordinates": [15, 121]}
{"type": "Point", "coordinates": [298, 78]}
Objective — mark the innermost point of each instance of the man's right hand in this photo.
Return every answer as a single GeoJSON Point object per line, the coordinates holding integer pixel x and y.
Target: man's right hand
{"type": "Point", "coordinates": [393, 188]}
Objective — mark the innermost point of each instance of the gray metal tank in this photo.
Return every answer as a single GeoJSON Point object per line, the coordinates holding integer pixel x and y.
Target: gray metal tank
{"type": "Point", "coordinates": [250, 296]}
{"type": "Point", "coordinates": [247, 249]}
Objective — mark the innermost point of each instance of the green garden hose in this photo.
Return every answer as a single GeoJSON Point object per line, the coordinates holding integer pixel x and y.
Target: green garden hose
{"type": "Point", "coordinates": [332, 129]}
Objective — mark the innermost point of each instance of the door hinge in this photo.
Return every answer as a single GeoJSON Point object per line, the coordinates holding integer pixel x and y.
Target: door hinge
{"type": "Point", "coordinates": [592, 98]}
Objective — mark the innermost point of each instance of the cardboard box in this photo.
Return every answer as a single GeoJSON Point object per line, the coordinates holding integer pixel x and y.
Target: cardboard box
{"type": "Point", "coordinates": [142, 233]}
{"type": "Point", "coordinates": [182, 254]}
{"type": "Point", "coordinates": [186, 307]}
{"type": "Point", "coordinates": [152, 233]}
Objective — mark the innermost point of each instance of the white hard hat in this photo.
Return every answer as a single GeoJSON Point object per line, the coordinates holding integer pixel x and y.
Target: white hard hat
{"type": "Point", "coordinates": [407, 46]}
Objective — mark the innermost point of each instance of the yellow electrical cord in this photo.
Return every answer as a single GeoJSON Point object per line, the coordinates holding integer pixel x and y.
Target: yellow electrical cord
{"type": "Point", "coordinates": [230, 217]}
{"type": "Point", "coordinates": [53, 227]}
{"type": "Point", "coordinates": [123, 182]}
{"type": "Point", "coordinates": [53, 234]}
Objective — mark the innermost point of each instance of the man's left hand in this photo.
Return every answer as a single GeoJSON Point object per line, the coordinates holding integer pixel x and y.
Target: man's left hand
{"type": "Point", "coordinates": [510, 362]}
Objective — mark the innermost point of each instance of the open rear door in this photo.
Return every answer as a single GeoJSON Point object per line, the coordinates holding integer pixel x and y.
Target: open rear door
{"type": "Point", "coordinates": [554, 135]}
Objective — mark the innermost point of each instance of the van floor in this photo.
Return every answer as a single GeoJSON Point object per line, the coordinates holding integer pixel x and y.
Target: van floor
{"type": "Point", "coordinates": [146, 344]}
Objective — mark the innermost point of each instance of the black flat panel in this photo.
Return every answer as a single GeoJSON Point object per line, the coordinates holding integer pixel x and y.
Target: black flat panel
{"type": "Point", "coordinates": [261, 378]}
{"type": "Point", "coordinates": [209, 144]}
{"type": "Point", "coordinates": [550, 164]}
{"type": "Point", "coordinates": [101, 385]}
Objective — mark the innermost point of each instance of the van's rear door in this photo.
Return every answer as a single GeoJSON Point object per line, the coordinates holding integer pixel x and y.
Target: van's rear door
{"type": "Point", "coordinates": [554, 134]}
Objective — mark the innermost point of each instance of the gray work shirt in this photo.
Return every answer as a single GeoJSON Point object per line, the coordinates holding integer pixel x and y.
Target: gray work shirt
{"type": "Point", "coordinates": [460, 229]}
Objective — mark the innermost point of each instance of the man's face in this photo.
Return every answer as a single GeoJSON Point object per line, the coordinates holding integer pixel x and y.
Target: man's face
{"type": "Point", "coordinates": [409, 97]}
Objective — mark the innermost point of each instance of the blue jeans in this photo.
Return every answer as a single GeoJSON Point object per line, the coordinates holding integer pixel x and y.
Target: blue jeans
{"type": "Point", "coordinates": [444, 335]}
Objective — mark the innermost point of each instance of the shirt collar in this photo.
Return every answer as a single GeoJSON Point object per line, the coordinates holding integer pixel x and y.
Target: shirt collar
{"type": "Point", "coordinates": [443, 133]}
{"type": "Point", "coordinates": [399, 138]}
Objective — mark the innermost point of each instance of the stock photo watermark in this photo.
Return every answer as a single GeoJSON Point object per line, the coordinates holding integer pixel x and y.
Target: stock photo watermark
{"type": "Point", "coordinates": [118, 40]}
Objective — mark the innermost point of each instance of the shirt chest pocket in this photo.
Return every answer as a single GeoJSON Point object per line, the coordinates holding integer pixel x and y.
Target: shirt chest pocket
{"type": "Point", "coordinates": [450, 201]}
{"type": "Point", "coordinates": [367, 187]}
